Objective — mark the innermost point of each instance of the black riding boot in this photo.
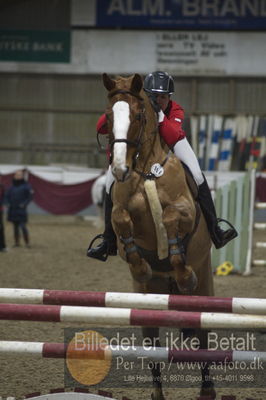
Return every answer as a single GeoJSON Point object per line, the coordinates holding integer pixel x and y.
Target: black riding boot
{"type": "Point", "coordinates": [219, 236]}
{"type": "Point", "coordinates": [108, 245]}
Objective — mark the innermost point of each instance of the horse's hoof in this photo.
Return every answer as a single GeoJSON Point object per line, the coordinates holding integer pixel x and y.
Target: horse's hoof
{"type": "Point", "coordinates": [189, 284]}
{"type": "Point", "coordinates": [141, 273]}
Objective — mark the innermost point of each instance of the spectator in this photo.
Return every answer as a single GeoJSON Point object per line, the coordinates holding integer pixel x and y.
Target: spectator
{"type": "Point", "coordinates": [2, 232]}
{"type": "Point", "coordinates": [18, 197]}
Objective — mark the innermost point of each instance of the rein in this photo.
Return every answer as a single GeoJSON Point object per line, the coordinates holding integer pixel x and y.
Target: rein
{"type": "Point", "coordinates": [152, 175]}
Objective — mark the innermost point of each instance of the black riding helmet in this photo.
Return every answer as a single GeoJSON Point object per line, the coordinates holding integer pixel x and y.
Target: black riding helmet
{"type": "Point", "coordinates": [159, 82]}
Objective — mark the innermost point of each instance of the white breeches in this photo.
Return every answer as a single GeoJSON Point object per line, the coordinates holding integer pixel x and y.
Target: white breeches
{"type": "Point", "coordinates": [184, 153]}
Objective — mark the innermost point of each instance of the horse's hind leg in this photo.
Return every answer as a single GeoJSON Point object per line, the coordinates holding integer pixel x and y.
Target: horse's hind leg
{"type": "Point", "coordinates": [139, 268]}
{"type": "Point", "coordinates": [153, 334]}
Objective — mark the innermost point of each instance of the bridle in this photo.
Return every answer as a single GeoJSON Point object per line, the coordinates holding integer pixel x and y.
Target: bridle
{"type": "Point", "coordinates": [140, 116]}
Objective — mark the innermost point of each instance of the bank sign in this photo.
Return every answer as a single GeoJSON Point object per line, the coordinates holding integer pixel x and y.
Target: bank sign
{"type": "Point", "coordinates": [35, 46]}
{"type": "Point", "coordinates": [183, 14]}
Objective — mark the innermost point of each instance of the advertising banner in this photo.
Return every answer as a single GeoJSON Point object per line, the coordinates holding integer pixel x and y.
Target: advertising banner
{"type": "Point", "coordinates": [182, 14]}
{"type": "Point", "coordinates": [35, 46]}
{"type": "Point", "coordinates": [199, 53]}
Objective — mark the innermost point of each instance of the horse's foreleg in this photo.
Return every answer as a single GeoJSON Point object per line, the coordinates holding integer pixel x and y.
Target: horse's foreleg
{"type": "Point", "coordinates": [153, 334]}
{"type": "Point", "coordinates": [140, 269]}
{"type": "Point", "coordinates": [173, 218]}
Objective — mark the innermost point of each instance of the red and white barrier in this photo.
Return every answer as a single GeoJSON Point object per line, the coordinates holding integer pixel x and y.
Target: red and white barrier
{"type": "Point", "coordinates": [61, 350]}
{"type": "Point", "coordinates": [135, 300]}
{"type": "Point", "coordinates": [130, 317]}
{"type": "Point", "coordinates": [261, 226]}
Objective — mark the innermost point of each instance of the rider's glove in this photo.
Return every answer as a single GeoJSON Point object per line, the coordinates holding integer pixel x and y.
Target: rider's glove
{"type": "Point", "coordinates": [160, 116]}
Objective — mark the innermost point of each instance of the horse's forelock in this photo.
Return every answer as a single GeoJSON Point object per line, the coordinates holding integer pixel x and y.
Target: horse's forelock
{"type": "Point", "coordinates": [123, 82]}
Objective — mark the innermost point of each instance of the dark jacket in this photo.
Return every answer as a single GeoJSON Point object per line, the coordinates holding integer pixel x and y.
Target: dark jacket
{"type": "Point", "coordinates": [18, 196]}
{"type": "Point", "coordinates": [2, 195]}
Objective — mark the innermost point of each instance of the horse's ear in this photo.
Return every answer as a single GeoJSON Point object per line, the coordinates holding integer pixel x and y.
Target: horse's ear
{"type": "Point", "coordinates": [136, 84]}
{"type": "Point", "coordinates": [109, 83]}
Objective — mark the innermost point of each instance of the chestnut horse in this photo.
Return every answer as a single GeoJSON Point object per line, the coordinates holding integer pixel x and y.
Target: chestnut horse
{"type": "Point", "coordinates": [161, 231]}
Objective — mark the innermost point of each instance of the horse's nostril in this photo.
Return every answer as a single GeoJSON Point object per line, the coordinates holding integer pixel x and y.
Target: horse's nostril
{"type": "Point", "coordinates": [125, 175]}
{"type": "Point", "coordinates": [121, 174]}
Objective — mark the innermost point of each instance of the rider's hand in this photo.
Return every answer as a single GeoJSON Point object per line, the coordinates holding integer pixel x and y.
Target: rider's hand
{"type": "Point", "coordinates": [160, 116]}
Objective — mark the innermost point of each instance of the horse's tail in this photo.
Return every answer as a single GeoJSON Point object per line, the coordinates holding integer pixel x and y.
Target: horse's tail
{"type": "Point", "coordinates": [156, 211]}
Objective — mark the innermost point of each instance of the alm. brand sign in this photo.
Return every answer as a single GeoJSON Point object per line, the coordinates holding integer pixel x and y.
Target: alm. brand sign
{"type": "Point", "coordinates": [185, 14]}
{"type": "Point", "coordinates": [35, 46]}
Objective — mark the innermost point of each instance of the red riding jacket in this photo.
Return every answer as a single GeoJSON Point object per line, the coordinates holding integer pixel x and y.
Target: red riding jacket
{"type": "Point", "coordinates": [170, 128]}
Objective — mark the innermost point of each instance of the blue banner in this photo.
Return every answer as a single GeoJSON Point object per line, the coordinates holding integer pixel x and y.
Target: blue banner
{"type": "Point", "coordinates": [183, 14]}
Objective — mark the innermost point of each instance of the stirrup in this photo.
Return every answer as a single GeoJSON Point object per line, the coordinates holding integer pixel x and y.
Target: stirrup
{"type": "Point", "coordinates": [103, 250]}
{"type": "Point", "coordinates": [225, 235]}
{"type": "Point", "coordinates": [227, 222]}
{"type": "Point", "coordinates": [101, 258]}
{"type": "Point", "coordinates": [100, 236]}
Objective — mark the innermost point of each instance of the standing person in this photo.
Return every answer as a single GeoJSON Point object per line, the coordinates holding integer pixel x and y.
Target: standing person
{"type": "Point", "coordinates": [18, 197]}
{"type": "Point", "coordinates": [159, 86]}
{"type": "Point", "coordinates": [2, 231]}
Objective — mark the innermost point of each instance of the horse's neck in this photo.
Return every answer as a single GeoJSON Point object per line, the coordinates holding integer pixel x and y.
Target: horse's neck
{"type": "Point", "coordinates": [152, 150]}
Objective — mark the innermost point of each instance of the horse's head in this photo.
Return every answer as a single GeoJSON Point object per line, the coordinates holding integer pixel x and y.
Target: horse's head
{"type": "Point", "coordinates": [126, 122]}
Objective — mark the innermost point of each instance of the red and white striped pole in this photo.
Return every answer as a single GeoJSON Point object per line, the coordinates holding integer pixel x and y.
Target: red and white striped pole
{"type": "Point", "coordinates": [135, 300]}
{"type": "Point", "coordinates": [130, 317]}
{"type": "Point", "coordinates": [61, 350]}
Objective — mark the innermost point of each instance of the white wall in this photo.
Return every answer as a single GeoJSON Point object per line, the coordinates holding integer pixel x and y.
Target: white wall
{"type": "Point", "coordinates": [181, 53]}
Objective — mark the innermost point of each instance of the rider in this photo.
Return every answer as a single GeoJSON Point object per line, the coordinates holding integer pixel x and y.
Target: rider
{"type": "Point", "coordinates": [159, 86]}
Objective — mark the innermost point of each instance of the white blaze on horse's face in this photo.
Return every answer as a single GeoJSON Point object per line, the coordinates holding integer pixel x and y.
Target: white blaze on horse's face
{"type": "Point", "coordinates": [121, 124]}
